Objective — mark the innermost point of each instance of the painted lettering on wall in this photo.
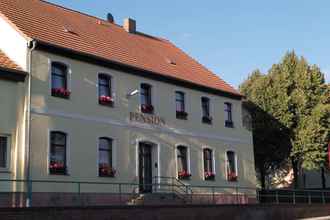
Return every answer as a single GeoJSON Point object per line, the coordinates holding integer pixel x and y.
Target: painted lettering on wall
{"type": "Point", "coordinates": [148, 119]}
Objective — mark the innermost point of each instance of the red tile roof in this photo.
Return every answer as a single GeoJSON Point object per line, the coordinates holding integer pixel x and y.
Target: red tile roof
{"type": "Point", "coordinates": [7, 63]}
{"type": "Point", "coordinates": [47, 22]}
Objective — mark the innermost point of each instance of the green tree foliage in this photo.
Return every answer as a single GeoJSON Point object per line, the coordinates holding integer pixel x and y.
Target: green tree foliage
{"type": "Point", "coordinates": [294, 94]}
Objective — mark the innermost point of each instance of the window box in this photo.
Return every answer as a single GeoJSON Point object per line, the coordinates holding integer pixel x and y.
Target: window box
{"type": "Point", "coordinates": [229, 124]}
{"type": "Point", "coordinates": [207, 119]}
{"type": "Point", "coordinates": [106, 171]}
{"type": "Point", "coordinates": [181, 115]}
{"type": "Point", "coordinates": [209, 176]}
{"type": "Point", "coordinates": [232, 177]}
{"type": "Point", "coordinates": [184, 175]}
{"type": "Point", "coordinates": [106, 100]}
{"type": "Point", "coordinates": [61, 93]}
{"type": "Point", "coordinates": [149, 109]}
{"type": "Point", "coordinates": [57, 168]}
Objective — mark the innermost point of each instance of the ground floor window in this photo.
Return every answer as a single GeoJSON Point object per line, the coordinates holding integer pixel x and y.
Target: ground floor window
{"type": "Point", "coordinates": [182, 161]}
{"type": "Point", "coordinates": [208, 164]}
{"type": "Point", "coordinates": [231, 166]}
{"type": "Point", "coordinates": [4, 145]}
{"type": "Point", "coordinates": [57, 160]}
{"type": "Point", "coordinates": [105, 158]}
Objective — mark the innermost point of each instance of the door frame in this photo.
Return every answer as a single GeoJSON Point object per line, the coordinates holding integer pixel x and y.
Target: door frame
{"type": "Point", "coordinates": [155, 151]}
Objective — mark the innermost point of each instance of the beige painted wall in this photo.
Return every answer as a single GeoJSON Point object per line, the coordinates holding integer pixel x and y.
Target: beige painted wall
{"type": "Point", "coordinates": [12, 123]}
{"type": "Point", "coordinates": [84, 121]}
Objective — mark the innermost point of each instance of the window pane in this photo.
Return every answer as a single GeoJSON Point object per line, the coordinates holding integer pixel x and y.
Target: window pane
{"type": "Point", "coordinates": [231, 163]}
{"type": "Point", "coordinates": [59, 75]}
{"type": "Point", "coordinates": [179, 98]}
{"type": "Point", "coordinates": [58, 154]}
{"type": "Point", "coordinates": [208, 160]}
{"type": "Point", "coordinates": [105, 151]}
{"type": "Point", "coordinates": [182, 159]}
{"type": "Point", "coordinates": [104, 85]}
{"type": "Point", "coordinates": [58, 138]}
{"type": "Point", "coordinates": [206, 106]}
{"type": "Point", "coordinates": [145, 94]}
{"type": "Point", "coordinates": [228, 111]}
{"type": "Point", "coordinates": [3, 152]}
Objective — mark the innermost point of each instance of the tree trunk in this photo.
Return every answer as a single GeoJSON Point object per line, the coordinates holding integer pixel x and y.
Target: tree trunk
{"type": "Point", "coordinates": [263, 179]}
{"type": "Point", "coordinates": [323, 178]}
{"type": "Point", "coordinates": [295, 173]}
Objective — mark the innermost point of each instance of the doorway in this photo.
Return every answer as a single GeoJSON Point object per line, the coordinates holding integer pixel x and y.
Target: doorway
{"type": "Point", "coordinates": [145, 167]}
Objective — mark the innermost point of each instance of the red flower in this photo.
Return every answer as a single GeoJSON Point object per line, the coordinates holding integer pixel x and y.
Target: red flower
{"type": "Point", "coordinates": [61, 92]}
{"type": "Point", "coordinates": [147, 108]}
{"type": "Point", "coordinates": [232, 176]}
{"type": "Point", "coordinates": [106, 170]}
{"type": "Point", "coordinates": [105, 99]}
{"type": "Point", "coordinates": [184, 174]}
{"type": "Point", "coordinates": [209, 175]}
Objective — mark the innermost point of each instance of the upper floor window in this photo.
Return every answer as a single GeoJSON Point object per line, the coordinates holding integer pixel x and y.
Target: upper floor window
{"type": "Point", "coordinates": [57, 160]}
{"type": "Point", "coordinates": [105, 158]}
{"type": "Point", "coordinates": [208, 164]}
{"type": "Point", "coordinates": [231, 166]}
{"type": "Point", "coordinates": [228, 115]}
{"type": "Point", "coordinates": [180, 105]}
{"type": "Point", "coordinates": [104, 84]}
{"type": "Point", "coordinates": [59, 74]}
{"type": "Point", "coordinates": [206, 110]}
{"type": "Point", "coordinates": [182, 161]}
{"type": "Point", "coordinates": [4, 145]}
{"type": "Point", "coordinates": [146, 100]}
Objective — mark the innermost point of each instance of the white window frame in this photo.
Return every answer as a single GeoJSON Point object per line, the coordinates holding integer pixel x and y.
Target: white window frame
{"type": "Point", "coordinates": [69, 74]}
{"type": "Point", "coordinates": [68, 162]}
{"type": "Point", "coordinates": [8, 154]}
{"type": "Point", "coordinates": [176, 159]}
{"type": "Point", "coordinates": [114, 154]}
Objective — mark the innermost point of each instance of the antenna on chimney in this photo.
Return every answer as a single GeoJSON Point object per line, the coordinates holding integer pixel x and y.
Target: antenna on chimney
{"type": "Point", "coordinates": [110, 18]}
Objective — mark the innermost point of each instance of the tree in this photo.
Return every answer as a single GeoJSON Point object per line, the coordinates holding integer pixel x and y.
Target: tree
{"type": "Point", "coordinates": [295, 94]}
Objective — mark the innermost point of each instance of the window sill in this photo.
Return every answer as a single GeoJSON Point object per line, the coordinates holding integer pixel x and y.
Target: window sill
{"type": "Point", "coordinates": [107, 104]}
{"type": "Point", "coordinates": [182, 115]}
{"type": "Point", "coordinates": [229, 124]}
{"type": "Point", "coordinates": [106, 176]}
{"type": "Point", "coordinates": [60, 96]}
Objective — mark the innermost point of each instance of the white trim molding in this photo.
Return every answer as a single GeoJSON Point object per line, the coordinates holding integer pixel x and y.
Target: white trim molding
{"type": "Point", "coordinates": [136, 125]}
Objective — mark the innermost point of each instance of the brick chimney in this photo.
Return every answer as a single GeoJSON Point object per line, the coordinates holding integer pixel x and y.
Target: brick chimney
{"type": "Point", "coordinates": [130, 25]}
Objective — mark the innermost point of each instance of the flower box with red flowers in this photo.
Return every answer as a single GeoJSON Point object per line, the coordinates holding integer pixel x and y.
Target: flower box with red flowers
{"type": "Point", "coordinates": [61, 92]}
{"type": "Point", "coordinates": [106, 100]}
{"type": "Point", "coordinates": [147, 109]}
{"type": "Point", "coordinates": [181, 115]}
{"type": "Point", "coordinates": [57, 168]}
{"type": "Point", "coordinates": [209, 175]}
{"type": "Point", "coordinates": [207, 119]}
{"type": "Point", "coordinates": [232, 177]}
{"type": "Point", "coordinates": [183, 175]}
{"type": "Point", "coordinates": [106, 171]}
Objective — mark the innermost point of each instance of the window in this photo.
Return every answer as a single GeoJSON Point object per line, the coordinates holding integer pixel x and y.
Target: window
{"type": "Point", "coordinates": [228, 115]}
{"type": "Point", "coordinates": [60, 80]}
{"type": "Point", "coordinates": [57, 160]}
{"type": "Point", "coordinates": [180, 105]}
{"type": "Point", "coordinates": [206, 110]}
{"type": "Point", "coordinates": [208, 164]}
{"type": "Point", "coordinates": [231, 166]}
{"type": "Point", "coordinates": [105, 97]}
{"type": "Point", "coordinates": [182, 161]}
{"type": "Point", "coordinates": [105, 158]}
{"type": "Point", "coordinates": [4, 152]}
{"type": "Point", "coordinates": [146, 103]}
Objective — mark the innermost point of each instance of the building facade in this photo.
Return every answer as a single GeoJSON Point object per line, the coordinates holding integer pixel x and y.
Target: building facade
{"type": "Point", "coordinates": [141, 113]}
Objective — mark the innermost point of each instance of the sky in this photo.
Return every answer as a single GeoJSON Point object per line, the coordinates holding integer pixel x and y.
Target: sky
{"type": "Point", "coordinates": [231, 38]}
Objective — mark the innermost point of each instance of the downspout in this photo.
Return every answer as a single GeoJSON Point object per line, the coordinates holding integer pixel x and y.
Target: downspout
{"type": "Point", "coordinates": [31, 46]}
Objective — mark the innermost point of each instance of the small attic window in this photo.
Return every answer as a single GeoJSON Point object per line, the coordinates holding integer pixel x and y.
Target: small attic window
{"type": "Point", "coordinates": [69, 30]}
{"type": "Point", "coordinates": [170, 61]}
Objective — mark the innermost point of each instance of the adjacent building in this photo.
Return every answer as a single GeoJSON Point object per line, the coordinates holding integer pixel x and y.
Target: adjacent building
{"type": "Point", "coordinates": [86, 100]}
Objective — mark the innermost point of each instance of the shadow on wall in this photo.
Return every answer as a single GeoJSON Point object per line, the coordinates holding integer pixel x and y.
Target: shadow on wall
{"type": "Point", "coordinates": [272, 144]}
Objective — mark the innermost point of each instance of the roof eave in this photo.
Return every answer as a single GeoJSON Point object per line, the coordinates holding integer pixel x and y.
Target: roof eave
{"type": "Point", "coordinates": [12, 74]}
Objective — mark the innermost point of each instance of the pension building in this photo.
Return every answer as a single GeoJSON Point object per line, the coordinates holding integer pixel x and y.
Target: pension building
{"type": "Point", "coordinates": [87, 100]}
